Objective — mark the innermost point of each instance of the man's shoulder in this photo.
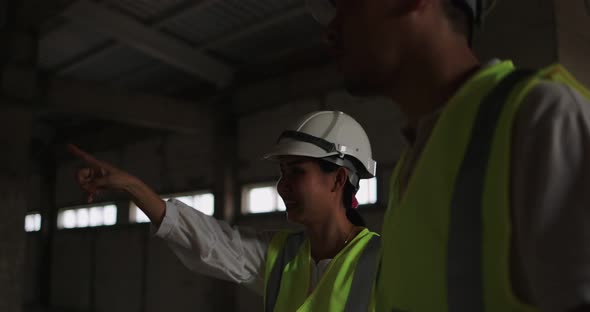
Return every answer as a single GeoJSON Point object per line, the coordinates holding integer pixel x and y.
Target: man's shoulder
{"type": "Point", "coordinates": [550, 100]}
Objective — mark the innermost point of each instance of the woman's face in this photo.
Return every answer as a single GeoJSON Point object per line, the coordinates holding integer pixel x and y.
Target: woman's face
{"type": "Point", "coordinates": [308, 192]}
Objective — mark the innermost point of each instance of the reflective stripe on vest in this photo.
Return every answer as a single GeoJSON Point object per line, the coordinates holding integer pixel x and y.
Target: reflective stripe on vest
{"type": "Point", "coordinates": [288, 253]}
{"type": "Point", "coordinates": [464, 255]}
{"type": "Point", "coordinates": [364, 276]}
{"type": "Point", "coordinates": [362, 282]}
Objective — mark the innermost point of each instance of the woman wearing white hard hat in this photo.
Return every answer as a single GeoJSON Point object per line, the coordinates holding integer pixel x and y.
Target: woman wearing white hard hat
{"type": "Point", "coordinates": [328, 267]}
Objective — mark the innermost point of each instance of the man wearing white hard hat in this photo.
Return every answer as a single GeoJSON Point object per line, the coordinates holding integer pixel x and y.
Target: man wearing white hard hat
{"type": "Point", "coordinates": [330, 266]}
{"type": "Point", "coordinates": [489, 204]}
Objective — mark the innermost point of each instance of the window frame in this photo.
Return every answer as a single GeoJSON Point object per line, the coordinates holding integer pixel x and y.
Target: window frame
{"type": "Point", "coordinates": [133, 209]}
{"type": "Point", "coordinates": [37, 225]}
{"type": "Point", "coordinates": [88, 207]}
{"type": "Point", "coordinates": [245, 193]}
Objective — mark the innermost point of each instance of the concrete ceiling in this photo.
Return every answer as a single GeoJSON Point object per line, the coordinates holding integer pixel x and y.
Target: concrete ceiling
{"type": "Point", "coordinates": [176, 47]}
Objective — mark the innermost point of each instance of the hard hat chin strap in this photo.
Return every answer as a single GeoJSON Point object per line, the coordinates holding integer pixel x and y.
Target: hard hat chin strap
{"type": "Point", "coordinates": [327, 146]}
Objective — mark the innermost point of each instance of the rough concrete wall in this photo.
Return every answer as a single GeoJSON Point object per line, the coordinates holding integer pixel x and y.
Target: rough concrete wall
{"type": "Point", "coordinates": [523, 31]}
{"type": "Point", "coordinates": [172, 287]}
{"type": "Point", "coordinates": [573, 33]}
{"type": "Point", "coordinates": [34, 204]}
{"type": "Point", "coordinates": [14, 182]}
{"type": "Point", "coordinates": [72, 270]}
{"type": "Point", "coordinates": [126, 269]}
{"type": "Point", "coordinates": [31, 269]}
{"type": "Point", "coordinates": [118, 269]}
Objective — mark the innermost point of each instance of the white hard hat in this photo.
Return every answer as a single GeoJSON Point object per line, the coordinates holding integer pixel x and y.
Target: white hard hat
{"type": "Point", "coordinates": [332, 136]}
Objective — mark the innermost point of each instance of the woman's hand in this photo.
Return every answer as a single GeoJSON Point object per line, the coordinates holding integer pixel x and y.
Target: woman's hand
{"type": "Point", "coordinates": [98, 176]}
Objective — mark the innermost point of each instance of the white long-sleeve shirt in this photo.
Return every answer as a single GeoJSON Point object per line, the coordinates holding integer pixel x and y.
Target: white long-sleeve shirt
{"type": "Point", "coordinates": [211, 247]}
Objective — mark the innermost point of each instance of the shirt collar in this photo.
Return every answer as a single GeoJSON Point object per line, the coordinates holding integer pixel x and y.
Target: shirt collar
{"type": "Point", "coordinates": [411, 134]}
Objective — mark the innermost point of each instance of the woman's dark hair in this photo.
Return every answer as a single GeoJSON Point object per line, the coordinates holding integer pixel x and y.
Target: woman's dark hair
{"type": "Point", "coordinates": [352, 214]}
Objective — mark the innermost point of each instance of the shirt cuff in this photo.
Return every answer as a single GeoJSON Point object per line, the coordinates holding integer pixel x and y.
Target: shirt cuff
{"type": "Point", "coordinates": [169, 222]}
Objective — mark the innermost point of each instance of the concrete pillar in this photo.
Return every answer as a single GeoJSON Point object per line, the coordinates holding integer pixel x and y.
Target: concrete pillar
{"type": "Point", "coordinates": [18, 96]}
{"type": "Point", "coordinates": [225, 185]}
{"type": "Point", "coordinates": [47, 169]}
{"type": "Point", "coordinates": [14, 177]}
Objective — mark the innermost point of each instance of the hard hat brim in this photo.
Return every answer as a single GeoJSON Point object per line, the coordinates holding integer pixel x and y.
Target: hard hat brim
{"type": "Point", "coordinates": [296, 148]}
{"type": "Point", "coordinates": [289, 147]}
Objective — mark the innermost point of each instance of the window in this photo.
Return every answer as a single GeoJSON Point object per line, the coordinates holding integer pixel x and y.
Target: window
{"type": "Point", "coordinates": [203, 202]}
{"type": "Point", "coordinates": [260, 198]}
{"type": "Point", "coordinates": [33, 222]}
{"type": "Point", "coordinates": [70, 218]}
{"type": "Point", "coordinates": [367, 193]}
{"type": "Point", "coordinates": [136, 215]}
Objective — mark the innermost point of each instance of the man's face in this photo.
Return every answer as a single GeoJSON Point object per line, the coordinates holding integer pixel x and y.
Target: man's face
{"type": "Point", "coordinates": [368, 38]}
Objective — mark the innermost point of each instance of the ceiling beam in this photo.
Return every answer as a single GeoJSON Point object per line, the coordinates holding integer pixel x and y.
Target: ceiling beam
{"type": "Point", "coordinates": [179, 10]}
{"type": "Point", "coordinates": [150, 41]}
{"type": "Point", "coordinates": [256, 27]}
{"type": "Point", "coordinates": [216, 43]}
{"type": "Point", "coordinates": [86, 99]}
{"type": "Point", "coordinates": [242, 33]}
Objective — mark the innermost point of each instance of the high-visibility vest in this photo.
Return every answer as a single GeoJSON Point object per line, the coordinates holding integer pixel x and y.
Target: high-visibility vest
{"type": "Point", "coordinates": [346, 285]}
{"type": "Point", "coordinates": [446, 241]}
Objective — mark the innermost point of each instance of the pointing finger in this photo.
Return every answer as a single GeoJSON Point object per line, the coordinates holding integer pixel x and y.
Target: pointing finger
{"type": "Point", "coordinates": [89, 159]}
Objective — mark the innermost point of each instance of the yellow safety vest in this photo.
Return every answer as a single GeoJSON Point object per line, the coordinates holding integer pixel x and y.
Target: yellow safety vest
{"type": "Point", "coordinates": [345, 286]}
{"type": "Point", "coordinates": [446, 241]}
